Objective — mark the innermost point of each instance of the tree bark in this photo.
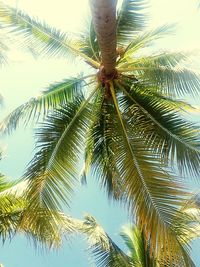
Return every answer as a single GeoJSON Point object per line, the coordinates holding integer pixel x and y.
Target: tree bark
{"type": "Point", "coordinates": [104, 19]}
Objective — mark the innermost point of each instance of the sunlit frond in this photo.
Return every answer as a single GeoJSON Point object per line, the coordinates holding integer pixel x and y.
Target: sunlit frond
{"type": "Point", "coordinates": [16, 188]}
{"type": "Point", "coordinates": [143, 40]}
{"type": "Point", "coordinates": [166, 59]}
{"type": "Point", "coordinates": [151, 193]}
{"type": "Point", "coordinates": [11, 208]}
{"type": "Point", "coordinates": [138, 249]}
{"type": "Point", "coordinates": [53, 97]}
{"type": "Point", "coordinates": [40, 36]}
{"type": "Point", "coordinates": [130, 20]}
{"type": "Point", "coordinates": [176, 81]}
{"type": "Point", "coordinates": [163, 128]}
{"type": "Point", "coordinates": [46, 228]}
{"type": "Point", "coordinates": [192, 208]}
{"type": "Point", "coordinates": [10, 214]}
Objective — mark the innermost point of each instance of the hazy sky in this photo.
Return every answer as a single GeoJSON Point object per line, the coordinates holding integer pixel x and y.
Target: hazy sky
{"type": "Point", "coordinates": [25, 77]}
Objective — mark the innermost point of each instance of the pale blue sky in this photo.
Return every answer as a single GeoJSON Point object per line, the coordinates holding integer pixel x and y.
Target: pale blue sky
{"type": "Point", "coordinates": [25, 77]}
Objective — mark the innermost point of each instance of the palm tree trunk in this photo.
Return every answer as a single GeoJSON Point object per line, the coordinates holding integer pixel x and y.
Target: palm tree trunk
{"type": "Point", "coordinates": [104, 19]}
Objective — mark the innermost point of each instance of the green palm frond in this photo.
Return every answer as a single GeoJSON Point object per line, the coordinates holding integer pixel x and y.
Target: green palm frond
{"type": "Point", "coordinates": [43, 227]}
{"type": "Point", "coordinates": [173, 136]}
{"type": "Point", "coordinates": [166, 59]}
{"type": "Point", "coordinates": [16, 188]}
{"type": "Point", "coordinates": [89, 44]}
{"type": "Point", "coordinates": [53, 97]}
{"type": "Point", "coordinates": [132, 84]}
{"type": "Point", "coordinates": [143, 40]}
{"type": "Point", "coordinates": [192, 208]}
{"type": "Point", "coordinates": [10, 214]}
{"type": "Point", "coordinates": [130, 20]}
{"type": "Point", "coordinates": [46, 228]}
{"type": "Point", "coordinates": [151, 193]}
{"type": "Point", "coordinates": [4, 184]}
{"type": "Point", "coordinates": [107, 253]}
{"type": "Point", "coordinates": [98, 153]}
{"type": "Point", "coordinates": [54, 169]}
{"type": "Point", "coordinates": [138, 250]}
{"type": "Point", "coordinates": [176, 81]}
{"type": "Point", "coordinates": [40, 36]}
{"type": "Point", "coordinates": [104, 250]}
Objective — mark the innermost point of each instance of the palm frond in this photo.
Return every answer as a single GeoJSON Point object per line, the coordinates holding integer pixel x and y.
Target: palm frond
{"type": "Point", "coordinates": [174, 137]}
{"type": "Point", "coordinates": [131, 83]}
{"type": "Point", "coordinates": [16, 188]}
{"type": "Point", "coordinates": [176, 81]}
{"type": "Point", "coordinates": [150, 191]}
{"type": "Point", "coordinates": [46, 228]}
{"type": "Point", "coordinates": [53, 97]}
{"type": "Point", "coordinates": [43, 38]}
{"type": "Point", "coordinates": [4, 184]}
{"type": "Point", "coordinates": [104, 250]}
{"type": "Point", "coordinates": [10, 213]}
{"type": "Point", "coordinates": [143, 40]}
{"type": "Point", "coordinates": [138, 250]}
{"type": "Point", "coordinates": [99, 156]}
{"type": "Point", "coordinates": [43, 227]}
{"type": "Point", "coordinates": [166, 59]}
{"type": "Point", "coordinates": [192, 208]}
{"type": "Point", "coordinates": [89, 44]}
{"type": "Point", "coordinates": [3, 54]}
{"type": "Point", "coordinates": [130, 20]}
{"type": "Point", "coordinates": [54, 168]}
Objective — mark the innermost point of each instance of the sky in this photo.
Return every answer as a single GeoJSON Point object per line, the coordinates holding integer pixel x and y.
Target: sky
{"type": "Point", "coordinates": [25, 77]}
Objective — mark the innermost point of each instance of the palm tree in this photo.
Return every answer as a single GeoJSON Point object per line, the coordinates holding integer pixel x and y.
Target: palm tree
{"type": "Point", "coordinates": [126, 115]}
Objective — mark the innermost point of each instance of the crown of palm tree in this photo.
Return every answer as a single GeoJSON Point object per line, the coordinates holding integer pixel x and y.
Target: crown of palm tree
{"type": "Point", "coordinates": [126, 116]}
